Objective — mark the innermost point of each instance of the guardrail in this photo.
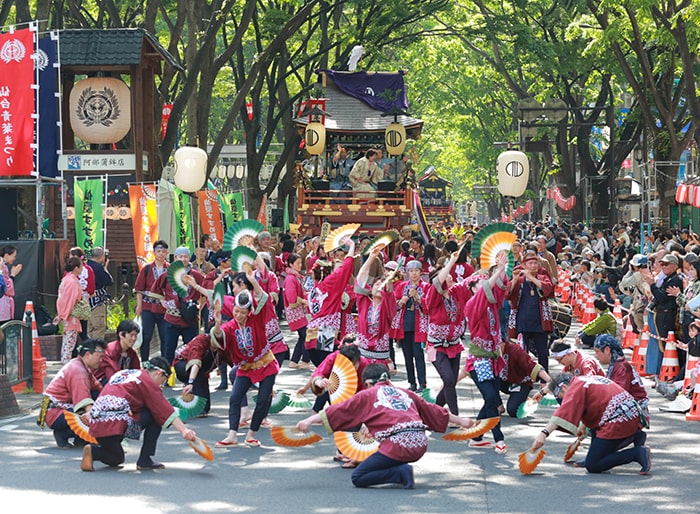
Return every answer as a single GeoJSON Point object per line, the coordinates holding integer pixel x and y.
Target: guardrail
{"type": "Point", "coordinates": [16, 351]}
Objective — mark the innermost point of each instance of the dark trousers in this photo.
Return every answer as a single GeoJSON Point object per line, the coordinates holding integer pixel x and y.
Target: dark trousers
{"type": "Point", "coordinates": [172, 333]}
{"type": "Point", "coordinates": [413, 353]}
{"type": "Point", "coordinates": [378, 469]}
{"type": "Point", "coordinates": [603, 454]}
{"type": "Point", "coordinates": [61, 431]}
{"type": "Point", "coordinates": [300, 352]}
{"type": "Point", "coordinates": [516, 397]}
{"type": "Point", "coordinates": [232, 378]}
{"type": "Point", "coordinates": [490, 390]}
{"type": "Point", "coordinates": [262, 406]}
{"type": "Point", "coordinates": [149, 322]}
{"type": "Point", "coordinates": [111, 452]}
{"type": "Point", "coordinates": [200, 386]}
{"type": "Point", "coordinates": [448, 369]}
{"type": "Point", "coordinates": [537, 343]}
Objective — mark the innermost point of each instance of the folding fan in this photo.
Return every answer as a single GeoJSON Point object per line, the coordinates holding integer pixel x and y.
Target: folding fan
{"type": "Point", "coordinates": [384, 239]}
{"type": "Point", "coordinates": [428, 395]}
{"type": "Point", "coordinates": [479, 428]}
{"type": "Point", "coordinates": [355, 445]}
{"type": "Point", "coordinates": [490, 240]}
{"type": "Point", "coordinates": [527, 408]}
{"type": "Point", "coordinates": [78, 427]}
{"type": "Point", "coordinates": [202, 449]}
{"type": "Point", "coordinates": [280, 399]}
{"type": "Point", "coordinates": [189, 405]}
{"type": "Point", "coordinates": [298, 402]}
{"type": "Point", "coordinates": [176, 271]}
{"type": "Point", "coordinates": [241, 233]}
{"type": "Point", "coordinates": [343, 380]}
{"type": "Point", "coordinates": [217, 298]}
{"type": "Point", "coordinates": [529, 460]}
{"type": "Point", "coordinates": [549, 400]}
{"type": "Point", "coordinates": [243, 258]}
{"type": "Point", "coordinates": [571, 449]}
{"type": "Point", "coordinates": [335, 237]}
{"type": "Point", "coordinates": [292, 437]}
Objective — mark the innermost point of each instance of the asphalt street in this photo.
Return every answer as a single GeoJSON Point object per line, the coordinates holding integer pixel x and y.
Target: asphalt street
{"type": "Point", "coordinates": [451, 477]}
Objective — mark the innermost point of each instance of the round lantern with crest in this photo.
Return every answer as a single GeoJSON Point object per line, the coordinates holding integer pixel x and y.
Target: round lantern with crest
{"type": "Point", "coordinates": [100, 110]}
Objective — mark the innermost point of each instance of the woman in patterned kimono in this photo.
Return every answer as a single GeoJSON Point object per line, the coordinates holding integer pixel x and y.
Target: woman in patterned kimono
{"type": "Point", "coordinates": [396, 418]}
{"type": "Point", "coordinates": [295, 309]}
{"type": "Point", "coordinates": [132, 401]}
{"type": "Point", "coordinates": [611, 414]}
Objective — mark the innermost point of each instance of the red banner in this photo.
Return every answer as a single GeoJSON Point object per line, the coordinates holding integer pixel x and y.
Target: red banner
{"type": "Point", "coordinates": [165, 118]}
{"type": "Point", "coordinates": [144, 220]}
{"type": "Point", "coordinates": [210, 213]}
{"type": "Point", "coordinates": [17, 100]}
{"type": "Point", "coordinates": [262, 212]}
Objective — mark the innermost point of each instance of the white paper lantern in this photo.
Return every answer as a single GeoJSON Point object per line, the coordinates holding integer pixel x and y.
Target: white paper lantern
{"type": "Point", "coordinates": [190, 168]}
{"type": "Point", "coordinates": [315, 136]}
{"type": "Point", "coordinates": [513, 170]}
{"type": "Point", "coordinates": [100, 110]}
{"type": "Point", "coordinates": [395, 139]}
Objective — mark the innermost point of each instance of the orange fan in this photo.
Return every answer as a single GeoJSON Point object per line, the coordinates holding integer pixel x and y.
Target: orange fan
{"type": "Point", "coordinates": [292, 437]}
{"type": "Point", "coordinates": [571, 449]}
{"type": "Point", "coordinates": [479, 428]}
{"type": "Point", "coordinates": [343, 380]}
{"type": "Point", "coordinates": [529, 460]}
{"type": "Point", "coordinates": [355, 445]}
{"type": "Point", "coordinates": [78, 427]}
{"type": "Point", "coordinates": [202, 449]}
{"type": "Point", "coordinates": [335, 237]}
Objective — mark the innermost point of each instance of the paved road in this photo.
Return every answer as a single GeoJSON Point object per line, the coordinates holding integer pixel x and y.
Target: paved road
{"type": "Point", "coordinates": [450, 478]}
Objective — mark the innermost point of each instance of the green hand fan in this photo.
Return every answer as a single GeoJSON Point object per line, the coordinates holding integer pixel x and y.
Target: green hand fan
{"type": "Point", "coordinates": [427, 395]}
{"type": "Point", "coordinates": [490, 241]}
{"type": "Point", "coordinates": [188, 406]}
{"type": "Point", "coordinates": [217, 299]}
{"type": "Point", "coordinates": [243, 258]}
{"type": "Point", "coordinates": [527, 408]}
{"type": "Point", "coordinates": [549, 400]}
{"type": "Point", "coordinates": [242, 233]}
{"type": "Point", "coordinates": [176, 271]}
{"type": "Point", "coordinates": [384, 239]}
{"type": "Point", "coordinates": [279, 401]}
{"type": "Point", "coordinates": [299, 403]}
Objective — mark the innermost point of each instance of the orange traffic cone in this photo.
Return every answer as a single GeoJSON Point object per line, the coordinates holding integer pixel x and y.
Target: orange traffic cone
{"type": "Point", "coordinates": [669, 365]}
{"type": "Point", "coordinates": [690, 364]}
{"type": "Point", "coordinates": [38, 362]}
{"type": "Point", "coordinates": [617, 310]}
{"type": "Point", "coordinates": [589, 313]}
{"type": "Point", "coordinates": [36, 347]}
{"type": "Point", "coordinates": [694, 412]}
{"type": "Point", "coordinates": [566, 287]}
{"type": "Point", "coordinates": [629, 338]}
{"type": "Point", "coordinates": [639, 357]}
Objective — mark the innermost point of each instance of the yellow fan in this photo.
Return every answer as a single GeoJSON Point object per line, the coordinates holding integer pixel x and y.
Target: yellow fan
{"type": "Point", "coordinates": [571, 449]}
{"type": "Point", "coordinates": [335, 237]}
{"type": "Point", "coordinates": [479, 428]}
{"type": "Point", "coordinates": [78, 427]}
{"type": "Point", "coordinates": [202, 449]}
{"type": "Point", "coordinates": [355, 445]}
{"type": "Point", "coordinates": [529, 460]}
{"type": "Point", "coordinates": [292, 437]}
{"type": "Point", "coordinates": [343, 380]}
{"type": "Point", "coordinates": [382, 240]}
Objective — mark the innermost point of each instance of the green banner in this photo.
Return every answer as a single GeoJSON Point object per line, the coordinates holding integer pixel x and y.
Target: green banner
{"type": "Point", "coordinates": [89, 214]}
{"type": "Point", "coordinates": [232, 207]}
{"type": "Point", "coordinates": [183, 216]}
{"type": "Point", "coordinates": [285, 215]}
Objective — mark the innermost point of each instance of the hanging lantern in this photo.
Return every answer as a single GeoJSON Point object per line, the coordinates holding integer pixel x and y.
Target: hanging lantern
{"type": "Point", "coordinates": [513, 172]}
{"type": "Point", "coordinates": [395, 139]}
{"type": "Point", "coordinates": [691, 195]}
{"type": "Point", "coordinates": [682, 193]}
{"type": "Point", "coordinates": [315, 136]}
{"type": "Point", "coordinates": [190, 168]}
{"type": "Point", "coordinates": [696, 198]}
{"type": "Point", "coordinates": [100, 110]}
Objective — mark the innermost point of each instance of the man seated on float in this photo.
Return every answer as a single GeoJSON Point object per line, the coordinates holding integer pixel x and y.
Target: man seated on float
{"type": "Point", "coordinates": [365, 175]}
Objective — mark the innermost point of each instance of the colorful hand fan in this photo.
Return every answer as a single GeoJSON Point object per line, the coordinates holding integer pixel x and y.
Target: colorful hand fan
{"type": "Point", "coordinates": [78, 427]}
{"type": "Point", "coordinates": [490, 240]}
{"type": "Point", "coordinates": [335, 237]}
{"type": "Point", "coordinates": [549, 400]}
{"type": "Point", "coordinates": [384, 239]}
{"type": "Point", "coordinates": [479, 428]}
{"type": "Point", "coordinates": [571, 449]}
{"type": "Point", "coordinates": [279, 401]}
{"type": "Point", "coordinates": [217, 298]}
{"type": "Point", "coordinates": [298, 402]}
{"type": "Point", "coordinates": [176, 271]}
{"type": "Point", "coordinates": [202, 449]}
{"type": "Point", "coordinates": [241, 233]}
{"type": "Point", "coordinates": [428, 395]}
{"type": "Point", "coordinates": [292, 437]}
{"type": "Point", "coordinates": [529, 460]}
{"type": "Point", "coordinates": [527, 408]}
{"type": "Point", "coordinates": [243, 259]}
{"type": "Point", "coordinates": [355, 445]}
{"type": "Point", "coordinates": [343, 380]}
{"type": "Point", "coordinates": [189, 405]}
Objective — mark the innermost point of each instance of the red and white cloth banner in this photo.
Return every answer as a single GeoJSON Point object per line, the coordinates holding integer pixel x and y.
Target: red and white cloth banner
{"type": "Point", "coordinates": [165, 118]}
{"type": "Point", "coordinates": [17, 99]}
{"type": "Point", "coordinates": [564, 203]}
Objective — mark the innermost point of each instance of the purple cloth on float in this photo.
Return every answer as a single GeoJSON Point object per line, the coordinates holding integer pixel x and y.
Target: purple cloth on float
{"type": "Point", "coordinates": [381, 91]}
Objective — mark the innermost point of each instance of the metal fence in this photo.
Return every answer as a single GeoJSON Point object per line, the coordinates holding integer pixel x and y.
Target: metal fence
{"type": "Point", "coordinates": [16, 351]}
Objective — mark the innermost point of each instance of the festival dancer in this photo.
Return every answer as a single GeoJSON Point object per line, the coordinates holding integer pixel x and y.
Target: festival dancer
{"type": "Point", "coordinates": [147, 303]}
{"type": "Point", "coordinates": [573, 361]}
{"type": "Point", "coordinates": [296, 309]}
{"type": "Point", "coordinates": [132, 401]}
{"type": "Point", "coordinates": [519, 375]}
{"type": "Point", "coordinates": [120, 354]}
{"type": "Point", "coordinates": [194, 362]}
{"type": "Point", "coordinates": [396, 418]}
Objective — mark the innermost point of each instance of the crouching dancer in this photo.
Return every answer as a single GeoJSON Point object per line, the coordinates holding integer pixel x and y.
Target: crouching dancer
{"type": "Point", "coordinates": [397, 418]}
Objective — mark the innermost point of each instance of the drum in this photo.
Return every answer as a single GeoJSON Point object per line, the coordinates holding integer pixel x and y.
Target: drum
{"type": "Point", "coordinates": [561, 316]}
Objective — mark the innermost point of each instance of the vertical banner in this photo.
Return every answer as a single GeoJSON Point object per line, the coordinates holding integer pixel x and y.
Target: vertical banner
{"type": "Point", "coordinates": [17, 103]}
{"type": "Point", "coordinates": [262, 212]}
{"type": "Point", "coordinates": [89, 213]}
{"type": "Point", "coordinates": [210, 214]}
{"type": "Point", "coordinates": [49, 138]}
{"type": "Point", "coordinates": [144, 220]}
{"type": "Point", "coordinates": [285, 215]}
{"type": "Point", "coordinates": [420, 218]}
{"type": "Point", "coordinates": [232, 207]}
{"type": "Point", "coordinates": [185, 236]}
{"type": "Point", "coordinates": [165, 118]}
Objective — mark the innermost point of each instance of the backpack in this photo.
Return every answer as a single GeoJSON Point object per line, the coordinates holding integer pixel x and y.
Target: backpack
{"type": "Point", "coordinates": [3, 285]}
